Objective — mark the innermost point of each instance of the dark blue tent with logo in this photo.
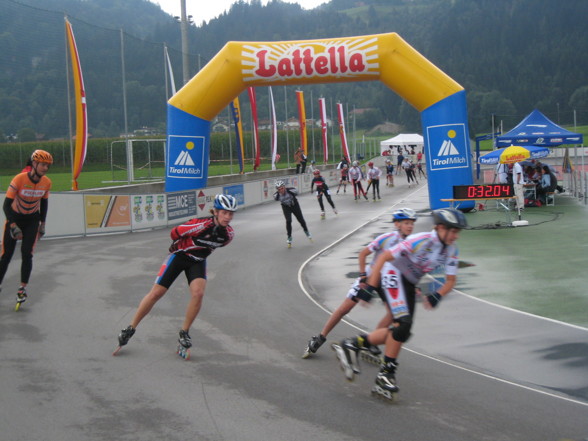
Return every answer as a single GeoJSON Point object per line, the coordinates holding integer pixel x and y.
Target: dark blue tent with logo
{"type": "Point", "coordinates": [537, 129]}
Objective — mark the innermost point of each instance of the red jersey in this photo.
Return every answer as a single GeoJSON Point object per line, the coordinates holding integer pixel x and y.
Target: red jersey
{"type": "Point", "coordinates": [198, 238]}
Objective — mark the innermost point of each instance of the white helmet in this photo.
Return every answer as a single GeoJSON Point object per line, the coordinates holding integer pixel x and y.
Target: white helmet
{"type": "Point", "coordinates": [279, 183]}
{"type": "Point", "coordinates": [403, 214]}
{"type": "Point", "coordinates": [225, 202]}
{"type": "Point", "coordinates": [355, 163]}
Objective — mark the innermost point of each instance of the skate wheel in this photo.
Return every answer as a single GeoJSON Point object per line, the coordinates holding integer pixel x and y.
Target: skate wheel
{"type": "Point", "coordinates": [116, 351]}
{"type": "Point", "coordinates": [306, 353]}
{"type": "Point", "coordinates": [385, 395]}
{"type": "Point", "coordinates": [183, 352]}
{"type": "Point", "coordinates": [17, 306]}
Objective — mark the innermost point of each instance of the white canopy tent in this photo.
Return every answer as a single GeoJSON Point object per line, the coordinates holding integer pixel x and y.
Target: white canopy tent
{"type": "Point", "coordinates": [407, 140]}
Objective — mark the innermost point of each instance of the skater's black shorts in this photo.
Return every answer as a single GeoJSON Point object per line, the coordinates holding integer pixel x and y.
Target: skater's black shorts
{"type": "Point", "coordinates": [175, 264]}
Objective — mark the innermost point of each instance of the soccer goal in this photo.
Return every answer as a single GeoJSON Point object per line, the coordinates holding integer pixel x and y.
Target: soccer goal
{"type": "Point", "coordinates": [137, 160]}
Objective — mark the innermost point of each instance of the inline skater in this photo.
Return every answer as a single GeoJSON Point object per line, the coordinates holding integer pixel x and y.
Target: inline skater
{"type": "Point", "coordinates": [355, 176]}
{"type": "Point", "coordinates": [343, 179]}
{"type": "Point", "coordinates": [25, 207]}
{"type": "Point", "coordinates": [192, 243]}
{"type": "Point", "coordinates": [374, 174]}
{"type": "Point", "coordinates": [286, 196]}
{"type": "Point", "coordinates": [389, 173]}
{"type": "Point", "coordinates": [397, 271]}
{"type": "Point", "coordinates": [404, 219]}
{"type": "Point", "coordinates": [321, 189]}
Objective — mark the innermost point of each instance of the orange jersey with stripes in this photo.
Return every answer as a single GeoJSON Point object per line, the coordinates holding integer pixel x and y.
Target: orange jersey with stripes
{"type": "Point", "coordinates": [26, 194]}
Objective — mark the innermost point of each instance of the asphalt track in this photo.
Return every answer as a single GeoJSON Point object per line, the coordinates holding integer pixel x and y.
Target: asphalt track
{"type": "Point", "coordinates": [466, 375]}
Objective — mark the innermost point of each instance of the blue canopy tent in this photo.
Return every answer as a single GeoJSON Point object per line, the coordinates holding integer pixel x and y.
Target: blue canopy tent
{"type": "Point", "coordinates": [537, 129]}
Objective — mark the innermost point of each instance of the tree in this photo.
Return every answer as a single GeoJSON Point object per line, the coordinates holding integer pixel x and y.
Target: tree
{"type": "Point", "coordinates": [26, 134]}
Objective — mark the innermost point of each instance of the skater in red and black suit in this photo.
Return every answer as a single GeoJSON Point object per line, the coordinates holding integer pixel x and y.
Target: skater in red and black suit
{"type": "Point", "coordinates": [322, 189]}
{"type": "Point", "coordinates": [192, 243]}
{"type": "Point", "coordinates": [286, 196]}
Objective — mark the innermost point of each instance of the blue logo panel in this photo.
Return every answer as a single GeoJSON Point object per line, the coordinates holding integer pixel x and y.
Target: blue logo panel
{"type": "Point", "coordinates": [447, 146]}
{"type": "Point", "coordinates": [237, 191]}
{"type": "Point", "coordinates": [188, 141]}
{"type": "Point", "coordinates": [447, 150]}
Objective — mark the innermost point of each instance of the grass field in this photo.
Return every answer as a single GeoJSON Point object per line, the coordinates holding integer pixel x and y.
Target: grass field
{"type": "Point", "coordinates": [96, 177]}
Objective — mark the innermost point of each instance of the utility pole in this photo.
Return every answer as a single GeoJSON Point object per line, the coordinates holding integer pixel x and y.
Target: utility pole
{"type": "Point", "coordinates": [184, 31]}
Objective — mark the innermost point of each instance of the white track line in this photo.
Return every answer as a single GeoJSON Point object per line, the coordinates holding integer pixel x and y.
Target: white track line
{"type": "Point", "coordinates": [491, 377]}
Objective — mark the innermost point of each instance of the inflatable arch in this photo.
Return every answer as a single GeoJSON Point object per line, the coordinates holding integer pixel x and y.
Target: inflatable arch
{"type": "Point", "coordinates": [384, 57]}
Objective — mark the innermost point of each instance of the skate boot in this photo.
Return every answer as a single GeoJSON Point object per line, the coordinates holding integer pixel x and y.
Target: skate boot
{"type": "Point", "coordinates": [185, 343]}
{"type": "Point", "coordinates": [124, 337]}
{"type": "Point", "coordinates": [323, 215]}
{"type": "Point", "coordinates": [308, 235]}
{"type": "Point", "coordinates": [289, 241]}
{"type": "Point", "coordinates": [368, 352]}
{"type": "Point", "coordinates": [21, 297]}
{"type": "Point", "coordinates": [385, 386]}
{"type": "Point", "coordinates": [335, 211]}
{"type": "Point", "coordinates": [346, 352]}
{"type": "Point", "coordinates": [313, 344]}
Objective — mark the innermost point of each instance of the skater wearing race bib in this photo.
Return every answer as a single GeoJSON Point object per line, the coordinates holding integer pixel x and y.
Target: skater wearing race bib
{"type": "Point", "coordinates": [397, 272]}
{"type": "Point", "coordinates": [192, 243]}
{"type": "Point", "coordinates": [25, 207]}
{"type": "Point", "coordinates": [404, 219]}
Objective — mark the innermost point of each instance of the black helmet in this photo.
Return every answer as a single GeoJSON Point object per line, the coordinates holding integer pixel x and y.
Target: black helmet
{"type": "Point", "coordinates": [450, 217]}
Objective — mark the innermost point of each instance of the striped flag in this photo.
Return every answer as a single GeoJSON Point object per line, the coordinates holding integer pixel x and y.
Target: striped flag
{"type": "Point", "coordinates": [256, 146]}
{"type": "Point", "coordinates": [80, 106]}
{"type": "Point", "coordinates": [344, 149]}
{"type": "Point", "coordinates": [323, 112]}
{"type": "Point", "coordinates": [236, 112]}
{"type": "Point", "coordinates": [302, 121]}
{"type": "Point", "coordinates": [274, 129]}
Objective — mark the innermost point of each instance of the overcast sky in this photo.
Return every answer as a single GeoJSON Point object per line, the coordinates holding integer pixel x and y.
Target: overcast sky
{"type": "Point", "coordinates": [205, 10]}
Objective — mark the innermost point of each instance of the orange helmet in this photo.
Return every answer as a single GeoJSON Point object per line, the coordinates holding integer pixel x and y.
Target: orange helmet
{"type": "Point", "coordinates": [42, 156]}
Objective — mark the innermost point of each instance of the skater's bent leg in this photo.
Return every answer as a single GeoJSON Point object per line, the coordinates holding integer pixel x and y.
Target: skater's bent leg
{"type": "Point", "coordinates": [386, 321]}
{"type": "Point", "coordinates": [378, 336]}
{"type": "Point", "coordinates": [320, 201]}
{"type": "Point", "coordinates": [156, 293]}
{"type": "Point", "coordinates": [197, 287]}
{"type": "Point", "coordinates": [392, 346]}
{"type": "Point", "coordinates": [337, 315]}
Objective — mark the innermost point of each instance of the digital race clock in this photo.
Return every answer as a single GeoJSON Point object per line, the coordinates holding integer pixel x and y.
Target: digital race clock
{"type": "Point", "coordinates": [482, 191]}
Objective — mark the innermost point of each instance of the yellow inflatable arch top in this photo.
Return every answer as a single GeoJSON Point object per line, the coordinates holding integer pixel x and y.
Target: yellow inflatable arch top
{"type": "Point", "coordinates": [384, 57]}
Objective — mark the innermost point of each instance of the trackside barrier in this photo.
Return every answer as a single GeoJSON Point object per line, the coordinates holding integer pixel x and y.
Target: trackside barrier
{"type": "Point", "coordinates": [83, 214]}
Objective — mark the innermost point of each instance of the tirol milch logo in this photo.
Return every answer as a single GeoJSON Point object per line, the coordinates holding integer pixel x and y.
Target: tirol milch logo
{"type": "Point", "coordinates": [185, 156]}
{"type": "Point", "coordinates": [446, 143]}
{"type": "Point", "coordinates": [311, 59]}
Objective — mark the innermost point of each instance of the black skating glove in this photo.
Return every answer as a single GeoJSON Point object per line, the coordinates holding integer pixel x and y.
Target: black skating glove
{"type": "Point", "coordinates": [367, 292]}
{"type": "Point", "coordinates": [434, 299]}
{"type": "Point", "coordinates": [15, 232]}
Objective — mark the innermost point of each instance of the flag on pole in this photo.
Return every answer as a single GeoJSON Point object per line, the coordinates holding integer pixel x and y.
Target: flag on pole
{"type": "Point", "coordinates": [302, 121]}
{"type": "Point", "coordinates": [274, 129]}
{"type": "Point", "coordinates": [323, 112]}
{"type": "Point", "coordinates": [256, 147]}
{"type": "Point", "coordinates": [344, 149]}
{"type": "Point", "coordinates": [236, 112]}
{"type": "Point", "coordinates": [80, 106]}
{"type": "Point", "coordinates": [171, 72]}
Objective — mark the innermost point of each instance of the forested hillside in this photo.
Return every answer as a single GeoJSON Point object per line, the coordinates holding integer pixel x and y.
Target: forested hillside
{"type": "Point", "coordinates": [511, 56]}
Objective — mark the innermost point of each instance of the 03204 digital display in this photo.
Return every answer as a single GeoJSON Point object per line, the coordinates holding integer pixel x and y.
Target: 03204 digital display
{"type": "Point", "coordinates": [482, 191]}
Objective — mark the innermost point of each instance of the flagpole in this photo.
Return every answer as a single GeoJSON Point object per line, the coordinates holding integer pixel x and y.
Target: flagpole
{"type": "Point", "coordinates": [71, 149]}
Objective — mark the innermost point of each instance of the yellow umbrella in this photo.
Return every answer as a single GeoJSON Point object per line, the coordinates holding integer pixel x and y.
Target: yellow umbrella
{"type": "Point", "coordinates": [514, 153]}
